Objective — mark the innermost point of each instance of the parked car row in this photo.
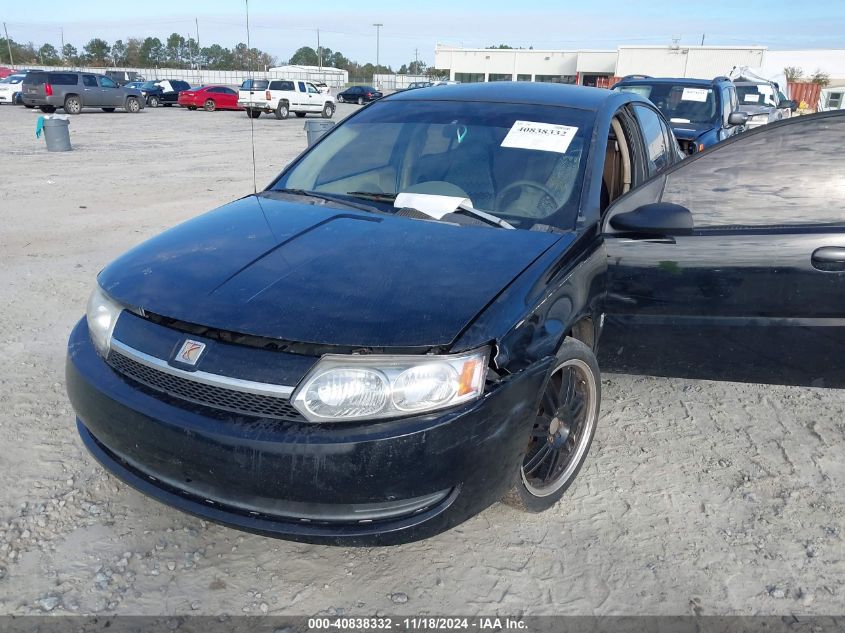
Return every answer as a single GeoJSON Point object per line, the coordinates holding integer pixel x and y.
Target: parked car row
{"type": "Point", "coordinates": [704, 112]}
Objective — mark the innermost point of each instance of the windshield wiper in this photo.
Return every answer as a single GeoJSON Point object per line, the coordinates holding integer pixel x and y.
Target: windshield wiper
{"type": "Point", "coordinates": [483, 215]}
{"type": "Point", "coordinates": [373, 195]}
{"type": "Point", "coordinates": [328, 197]}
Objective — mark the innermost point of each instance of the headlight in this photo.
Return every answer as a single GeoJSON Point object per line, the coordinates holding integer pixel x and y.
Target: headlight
{"type": "Point", "coordinates": [342, 387]}
{"type": "Point", "coordinates": [102, 315]}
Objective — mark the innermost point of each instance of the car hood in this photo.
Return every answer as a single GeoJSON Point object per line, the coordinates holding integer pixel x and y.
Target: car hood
{"type": "Point", "coordinates": [324, 275]}
{"type": "Point", "coordinates": [690, 131]}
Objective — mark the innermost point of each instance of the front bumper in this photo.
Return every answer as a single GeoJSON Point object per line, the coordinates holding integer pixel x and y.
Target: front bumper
{"type": "Point", "coordinates": [409, 478]}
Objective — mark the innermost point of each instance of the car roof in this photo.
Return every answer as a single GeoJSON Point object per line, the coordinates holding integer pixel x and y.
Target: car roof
{"type": "Point", "coordinates": [515, 92]}
{"type": "Point", "coordinates": [634, 81]}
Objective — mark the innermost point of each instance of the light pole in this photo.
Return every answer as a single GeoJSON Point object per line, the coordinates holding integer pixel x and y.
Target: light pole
{"type": "Point", "coordinates": [378, 26]}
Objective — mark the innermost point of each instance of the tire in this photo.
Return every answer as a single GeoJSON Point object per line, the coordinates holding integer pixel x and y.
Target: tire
{"type": "Point", "coordinates": [108, 109]}
{"type": "Point", "coordinates": [48, 109]}
{"type": "Point", "coordinates": [340, 98]}
{"type": "Point", "coordinates": [360, 100]}
{"type": "Point", "coordinates": [73, 105]}
{"type": "Point", "coordinates": [26, 105]}
{"type": "Point", "coordinates": [191, 108]}
{"type": "Point", "coordinates": [133, 105]}
{"type": "Point", "coordinates": [153, 102]}
{"type": "Point", "coordinates": [328, 111]}
{"type": "Point", "coordinates": [17, 98]}
{"type": "Point", "coordinates": [253, 113]}
{"type": "Point", "coordinates": [300, 115]}
{"type": "Point", "coordinates": [559, 441]}
{"type": "Point", "coordinates": [209, 105]}
{"type": "Point", "coordinates": [282, 111]}
{"type": "Point", "coordinates": [167, 105]}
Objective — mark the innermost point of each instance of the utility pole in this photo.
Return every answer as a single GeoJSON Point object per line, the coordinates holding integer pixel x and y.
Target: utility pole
{"type": "Point", "coordinates": [9, 44]}
{"type": "Point", "coordinates": [702, 38]}
{"type": "Point", "coordinates": [417, 61]}
{"type": "Point", "coordinates": [378, 26]}
{"type": "Point", "coordinates": [199, 57]}
{"type": "Point", "coordinates": [319, 52]}
{"type": "Point", "coordinates": [63, 43]}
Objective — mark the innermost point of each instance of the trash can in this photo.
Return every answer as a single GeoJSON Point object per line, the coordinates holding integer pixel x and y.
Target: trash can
{"type": "Point", "coordinates": [56, 132]}
{"type": "Point", "coordinates": [315, 128]}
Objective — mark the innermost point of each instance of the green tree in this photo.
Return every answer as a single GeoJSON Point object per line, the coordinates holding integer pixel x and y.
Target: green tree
{"type": "Point", "coordinates": [133, 52]}
{"type": "Point", "coordinates": [793, 73]}
{"type": "Point", "coordinates": [305, 56]}
{"type": "Point", "coordinates": [216, 57]}
{"type": "Point", "coordinates": [48, 55]}
{"type": "Point", "coordinates": [820, 77]}
{"type": "Point", "coordinates": [151, 53]}
{"type": "Point", "coordinates": [69, 54]}
{"type": "Point", "coordinates": [416, 68]}
{"type": "Point", "coordinates": [173, 49]}
{"type": "Point", "coordinates": [118, 53]}
{"type": "Point", "coordinates": [97, 52]}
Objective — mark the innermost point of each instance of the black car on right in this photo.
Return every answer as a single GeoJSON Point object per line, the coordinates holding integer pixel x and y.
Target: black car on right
{"type": "Point", "coordinates": [702, 112]}
{"type": "Point", "coordinates": [359, 95]}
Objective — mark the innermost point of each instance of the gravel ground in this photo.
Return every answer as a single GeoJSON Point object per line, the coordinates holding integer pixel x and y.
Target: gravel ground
{"type": "Point", "coordinates": [698, 497]}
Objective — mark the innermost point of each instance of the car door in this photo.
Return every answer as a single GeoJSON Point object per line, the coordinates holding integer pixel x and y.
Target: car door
{"type": "Point", "coordinates": [111, 95]}
{"type": "Point", "coordinates": [91, 92]}
{"type": "Point", "coordinates": [315, 98]}
{"type": "Point", "coordinates": [744, 278]}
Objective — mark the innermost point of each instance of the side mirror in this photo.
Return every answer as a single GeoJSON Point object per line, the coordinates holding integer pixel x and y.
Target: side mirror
{"type": "Point", "coordinates": [737, 118]}
{"type": "Point", "coordinates": [658, 218]}
{"type": "Point", "coordinates": [789, 103]}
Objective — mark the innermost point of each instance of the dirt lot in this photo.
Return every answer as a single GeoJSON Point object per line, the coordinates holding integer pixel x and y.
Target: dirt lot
{"type": "Point", "coordinates": [698, 497]}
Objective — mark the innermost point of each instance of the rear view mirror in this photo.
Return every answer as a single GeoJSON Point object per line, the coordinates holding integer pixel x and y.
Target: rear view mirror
{"type": "Point", "coordinates": [658, 218]}
{"type": "Point", "coordinates": [737, 118]}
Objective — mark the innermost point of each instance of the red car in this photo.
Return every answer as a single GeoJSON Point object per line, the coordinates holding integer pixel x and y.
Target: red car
{"type": "Point", "coordinates": [209, 98]}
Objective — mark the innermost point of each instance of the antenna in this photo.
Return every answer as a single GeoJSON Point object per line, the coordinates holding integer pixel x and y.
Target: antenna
{"type": "Point", "coordinates": [251, 120]}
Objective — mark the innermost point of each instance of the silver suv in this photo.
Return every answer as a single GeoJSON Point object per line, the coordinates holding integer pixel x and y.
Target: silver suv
{"type": "Point", "coordinates": [73, 91]}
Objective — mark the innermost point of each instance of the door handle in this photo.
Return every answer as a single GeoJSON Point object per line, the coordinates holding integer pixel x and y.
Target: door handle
{"type": "Point", "coordinates": [829, 258]}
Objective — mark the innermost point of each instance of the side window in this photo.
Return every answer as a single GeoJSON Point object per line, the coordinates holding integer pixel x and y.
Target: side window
{"type": "Point", "coordinates": [105, 82]}
{"type": "Point", "coordinates": [275, 85]}
{"type": "Point", "coordinates": [302, 86]}
{"type": "Point", "coordinates": [89, 81]}
{"type": "Point", "coordinates": [654, 139]}
{"type": "Point", "coordinates": [750, 192]}
{"type": "Point", "coordinates": [734, 99]}
{"type": "Point", "coordinates": [215, 89]}
{"type": "Point", "coordinates": [312, 89]}
{"type": "Point", "coordinates": [727, 106]}
{"type": "Point", "coordinates": [228, 91]}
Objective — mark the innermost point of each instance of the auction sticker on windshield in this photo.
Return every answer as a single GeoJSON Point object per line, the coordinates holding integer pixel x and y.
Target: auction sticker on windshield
{"type": "Point", "coordinates": [544, 137]}
{"type": "Point", "coordinates": [694, 94]}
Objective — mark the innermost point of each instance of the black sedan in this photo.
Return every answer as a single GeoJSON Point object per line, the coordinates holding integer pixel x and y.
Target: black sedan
{"type": "Point", "coordinates": [401, 330]}
{"type": "Point", "coordinates": [359, 95]}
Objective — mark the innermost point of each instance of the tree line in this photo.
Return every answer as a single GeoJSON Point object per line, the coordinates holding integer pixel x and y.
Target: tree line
{"type": "Point", "coordinates": [150, 52]}
{"type": "Point", "coordinates": [180, 52]}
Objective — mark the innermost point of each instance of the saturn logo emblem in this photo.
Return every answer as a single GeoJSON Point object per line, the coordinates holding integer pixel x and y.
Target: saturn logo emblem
{"type": "Point", "coordinates": [190, 352]}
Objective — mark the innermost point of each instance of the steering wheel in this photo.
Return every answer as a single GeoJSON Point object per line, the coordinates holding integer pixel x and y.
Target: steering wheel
{"type": "Point", "coordinates": [525, 184]}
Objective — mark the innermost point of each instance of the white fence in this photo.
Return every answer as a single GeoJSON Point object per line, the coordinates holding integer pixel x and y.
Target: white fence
{"type": "Point", "coordinates": [330, 76]}
{"type": "Point", "coordinates": [396, 82]}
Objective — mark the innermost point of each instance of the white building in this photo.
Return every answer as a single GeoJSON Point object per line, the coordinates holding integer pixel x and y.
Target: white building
{"type": "Point", "coordinates": [598, 67]}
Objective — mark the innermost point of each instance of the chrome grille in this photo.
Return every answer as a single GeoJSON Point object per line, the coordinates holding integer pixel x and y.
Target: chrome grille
{"type": "Point", "coordinates": [199, 393]}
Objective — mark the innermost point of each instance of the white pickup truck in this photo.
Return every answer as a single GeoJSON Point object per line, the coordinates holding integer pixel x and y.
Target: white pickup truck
{"type": "Point", "coordinates": [283, 96]}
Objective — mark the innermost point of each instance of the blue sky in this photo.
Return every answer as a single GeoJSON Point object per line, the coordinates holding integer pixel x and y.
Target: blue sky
{"type": "Point", "coordinates": [347, 26]}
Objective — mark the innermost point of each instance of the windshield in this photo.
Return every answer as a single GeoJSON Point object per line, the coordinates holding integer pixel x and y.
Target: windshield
{"type": "Point", "coordinates": [522, 163]}
{"type": "Point", "coordinates": [12, 79]}
{"type": "Point", "coordinates": [255, 84]}
{"type": "Point", "coordinates": [756, 94]}
{"type": "Point", "coordinates": [679, 103]}
{"type": "Point", "coordinates": [149, 85]}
